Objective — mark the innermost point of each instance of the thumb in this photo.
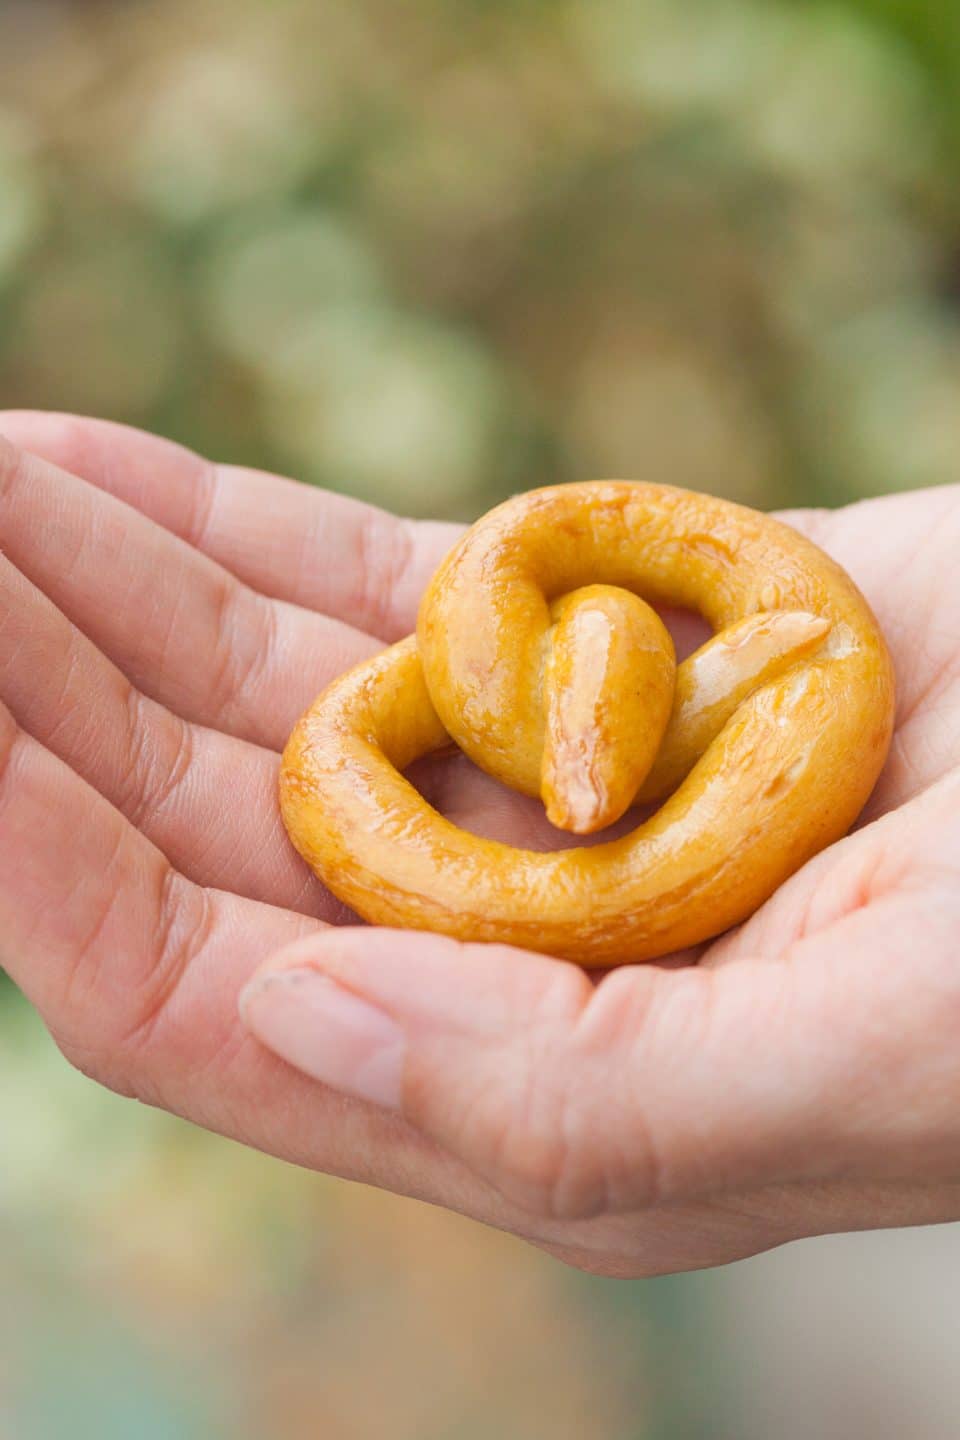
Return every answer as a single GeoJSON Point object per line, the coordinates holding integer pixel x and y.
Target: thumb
{"type": "Point", "coordinates": [572, 1099]}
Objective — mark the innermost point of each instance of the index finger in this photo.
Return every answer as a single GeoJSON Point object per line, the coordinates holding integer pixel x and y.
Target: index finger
{"type": "Point", "coordinates": [290, 541]}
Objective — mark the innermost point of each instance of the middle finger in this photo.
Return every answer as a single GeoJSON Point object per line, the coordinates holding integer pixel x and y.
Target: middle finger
{"type": "Point", "coordinates": [207, 800]}
{"type": "Point", "coordinates": [183, 629]}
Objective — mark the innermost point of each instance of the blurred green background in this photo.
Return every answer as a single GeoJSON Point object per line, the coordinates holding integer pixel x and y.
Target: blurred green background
{"type": "Point", "coordinates": [430, 254]}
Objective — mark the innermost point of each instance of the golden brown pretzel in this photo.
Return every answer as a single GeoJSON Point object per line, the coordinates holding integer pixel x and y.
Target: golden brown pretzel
{"type": "Point", "coordinates": [766, 742]}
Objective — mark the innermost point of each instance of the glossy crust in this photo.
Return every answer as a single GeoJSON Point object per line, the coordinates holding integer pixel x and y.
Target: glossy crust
{"type": "Point", "coordinates": [535, 655]}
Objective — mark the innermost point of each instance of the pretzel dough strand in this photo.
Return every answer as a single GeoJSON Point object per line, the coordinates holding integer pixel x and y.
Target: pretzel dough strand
{"type": "Point", "coordinates": [538, 652]}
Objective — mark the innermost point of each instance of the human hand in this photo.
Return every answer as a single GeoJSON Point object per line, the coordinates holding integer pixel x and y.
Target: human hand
{"type": "Point", "coordinates": [800, 1078]}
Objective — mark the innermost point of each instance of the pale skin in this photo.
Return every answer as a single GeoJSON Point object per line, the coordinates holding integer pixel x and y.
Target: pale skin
{"type": "Point", "coordinates": [163, 623]}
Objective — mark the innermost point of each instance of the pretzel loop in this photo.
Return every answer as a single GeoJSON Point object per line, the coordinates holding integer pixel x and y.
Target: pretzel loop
{"type": "Point", "coordinates": [537, 651]}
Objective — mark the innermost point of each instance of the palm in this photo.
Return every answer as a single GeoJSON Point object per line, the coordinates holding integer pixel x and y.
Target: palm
{"type": "Point", "coordinates": [899, 550]}
{"type": "Point", "coordinates": [883, 906]}
{"type": "Point", "coordinates": [161, 662]}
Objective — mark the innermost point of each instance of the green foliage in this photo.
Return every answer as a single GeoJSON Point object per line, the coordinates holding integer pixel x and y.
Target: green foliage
{"type": "Point", "coordinates": [437, 253]}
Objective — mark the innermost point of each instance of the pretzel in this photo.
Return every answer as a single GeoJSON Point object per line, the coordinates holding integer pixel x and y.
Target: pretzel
{"type": "Point", "coordinates": [537, 656]}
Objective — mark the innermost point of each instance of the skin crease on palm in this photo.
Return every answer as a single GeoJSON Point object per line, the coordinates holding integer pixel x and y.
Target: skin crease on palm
{"type": "Point", "coordinates": [163, 623]}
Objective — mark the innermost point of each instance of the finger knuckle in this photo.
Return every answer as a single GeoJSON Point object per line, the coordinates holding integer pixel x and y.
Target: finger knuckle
{"type": "Point", "coordinates": [246, 641]}
{"type": "Point", "coordinates": [550, 1164]}
{"type": "Point", "coordinates": [159, 754]}
{"type": "Point", "coordinates": [384, 550]}
{"type": "Point", "coordinates": [184, 924]}
{"type": "Point", "coordinates": [548, 1152]}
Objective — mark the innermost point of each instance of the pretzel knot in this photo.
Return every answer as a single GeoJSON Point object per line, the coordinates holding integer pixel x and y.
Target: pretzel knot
{"type": "Point", "coordinates": [537, 651]}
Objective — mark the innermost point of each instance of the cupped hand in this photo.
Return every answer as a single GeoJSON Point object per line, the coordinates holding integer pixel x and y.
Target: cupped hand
{"type": "Point", "coordinates": [163, 622]}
